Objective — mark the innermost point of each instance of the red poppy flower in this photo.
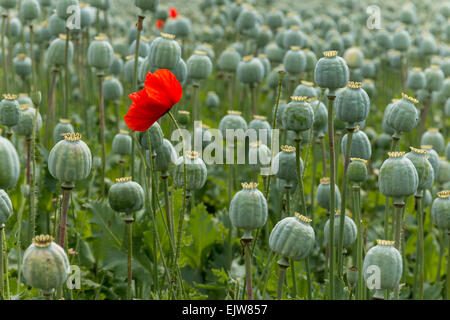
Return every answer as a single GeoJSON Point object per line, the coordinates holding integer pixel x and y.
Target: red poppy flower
{"type": "Point", "coordinates": [162, 90]}
{"type": "Point", "coordinates": [173, 12]}
{"type": "Point", "coordinates": [159, 24]}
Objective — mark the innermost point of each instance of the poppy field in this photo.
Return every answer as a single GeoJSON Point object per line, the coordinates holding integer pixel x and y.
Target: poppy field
{"type": "Point", "coordinates": [224, 150]}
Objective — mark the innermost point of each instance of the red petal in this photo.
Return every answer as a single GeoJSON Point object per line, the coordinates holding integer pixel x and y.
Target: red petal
{"type": "Point", "coordinates": [140, 118]}
{"type": "Point", "coordinates": [173, 12]}
{"type": "Point", "coordinates": [163, 88]}
{"type": "Point", "coordinates": [159, 24]}
{"type": "Point", "coordinates": [140, 97]}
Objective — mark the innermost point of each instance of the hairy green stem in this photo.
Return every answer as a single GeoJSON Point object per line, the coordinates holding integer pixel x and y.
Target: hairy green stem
{"type": "Point", "coordinates": [359, 248]}
{"type": "Point", "coordinates": [102, 134]}
{"type": "Point", "coordinates": [67, 190]}
{"type": "Point", "coordinates": [129, 222]}
{"type": "Point", "coordinates": [248, 267]}
{"type": "Point", "coordinates": [5, 73]}
{"type": "Point", "coordinates": [281, 277]}
{"type": "Point", "coordinates": [4, 253]}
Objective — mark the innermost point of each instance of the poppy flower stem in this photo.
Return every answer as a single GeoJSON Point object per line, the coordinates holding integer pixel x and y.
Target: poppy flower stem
{"type": "Point", "coordinates": [195, 97]}
{"type": "Point", "coordinates": [67, 75]}
{"type": "Point", "coordinates": [102, 134]}
{"type": "Point", "coordinates": [5, 73]}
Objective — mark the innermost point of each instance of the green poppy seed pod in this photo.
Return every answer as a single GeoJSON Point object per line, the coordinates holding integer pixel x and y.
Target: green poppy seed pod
{"type": "Point", "coordinates": [447, 151]}
{"type": "Point", "coordinates": [10, 114]}
{"type": "Point", "coordinates": [218, 32]}
{"type": "Point", "coordinates": [349, 230]}
{"type": "Point", "coordinates": [279, 37]}
{"type": "Point", "coordinates": [232, 121]}
{"type": "Point", "coordinates": [248, 209]}
{"type": "Point", "coordinates": [403, 115]}
{"type": "Point", "coordinates": [311, 60]}
{"type": "Point", "coordinates": [305, 89]}
{"type": "Point", "coordinates": [293, 38]}
{"type": "Point", "coordinates": [229, 60]}
{"type": "Point", "coordinates": [262, 128]}
{"type": "Point", "coordinates": [428, 45]}
{"type": "Point", "coordinates": [292, 20]}
{"type": "Point", "coordinates": [45, 265]}
{"type": "Point", "coordinates": [184, 117]}
{"type": "Point", "coordinates": [196, 171]}
{"type": "Point", "coordinates": [320, 117]}
{"type": "Point", "coordinates": [275, 19]}
{"type": "Point", "coordinates": [56, 25]}
{"type": "Point", "coordinates": [63, 8]}
{"type": "Point", "coordinates": [292, 238]}
{"type": "Point", "coordinates": [246, 20]}
{"type": "Point", "coordinates": [434, 138]}
{"type": "Point", "coordinates": [294, 61]}
{"type": "Point", "coordinates": [427, 198]}
{"type": "Point", "coordinates": [401, 40]}
{"type": "Point", "coordinates": [360, 147]}
{"type": "Point", "coordinates": [181, 71]}
{"type": "Point", "coordinates": [433, 158]}
{"type": "Point", "coordinates": [368, 70]}
{"type": "Point", "coordinates": [26, 123]}
{"type": "Point", "coordinates": [383, 141]}
{"type": "Point", "coordinates": [144, 48]}
{"type": "Point", "coordinates": [398, 177]}
{"type": "Point", "coordinates": [444, 171]}
{"type": "Point", "coordinates": [425, 171]}
{"type": "Point", "coordinates": [70, 160]}
{"type": "Point", "coordinates": [435, 78]}
{"type": "Point", "coordinates": [323, 194]}
{"type": "Point", "coordinates": [30, 10]}
{"type": "Point", "coordinates": [22, 65]}
{"type": "Point", "coordinates": [369, 87]}
{"type": "Point", "coordinates": [116, 67]}
{"type": "Point", "coordinates": [357, 170]}
{"type": "Point", "coordinates": [265, 62]}
{"type": "Point", "coordinates": [121, 144]}
{"type": "Point", "coordinates": [387, 260]}
{"type": "Point", "coordinates": [280, 111]}
{"type": "Point", "coordinates": [416, 79]}
{"type": "Point", "coordinates": [100, 53]}
{"type": "Point", "coordinates": [298, 115]}
{"type": "Point", "coordinates": [283, 184]}
{"type": "Point", "coordinates": [61, 129]}
{"type": "Point", "coordinates": [354, 57]}
{"type": "Point", "coordinates": [384, 124]}
{"type": "Point", "coordinates": [259, 156]}
{"type": "Point", "coordinates": [8, 4]}
{"type": "Point", "coordinates": [146, 5]}
{"type": "Point", "coordinates": [352, 276]}
{"type": "Point", "coordinates": [15, 28]}
{"type": "Point", "coordinates": [250, 70]}
{"type": "Point", "coordinates": [165, 156]}
{"type": "Point", "coordinates": [263, 37]}
{"type": "Point", "coordinates": [165, 52]}
{"type": "Point", "coordinates": [352, 104]}
{"type": "Point", "coordinates": [128, 68]}
{"type": "Point", "coordinates": [274, 53]}
{"type": "Point", "coordinates": [87, 16]}
{"type": "Point", "coordinates": [156, 137]}
{"type": "Point", "coordinates": [9, 164]}
{"type": "Point", "coordinates": [440, 210]}
{"type": "Point", "coordinates": [212, 100]}
{"type": "Point", "coordinates": [112, 89]}
{"type": "Point", "coordinates": [284, 164]}
{"type": "Point", "coordinates": [199, 66]}
{"type": "Point", "coordinates": [331, 71]}
{"type": "Point", "coordinates": [57, 50]}
{"type": "Point", "coordinates": [6, 208]}
{"type": "Point", "coordinates": [126, 196]}
{"type": "Point", "coordinates": [182, 27]}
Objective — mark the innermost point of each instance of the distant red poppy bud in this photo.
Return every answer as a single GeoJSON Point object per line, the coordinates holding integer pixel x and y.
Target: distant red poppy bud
{"type": "Point", "coordinates": [161, 92]}
{"type": "Point", "coordinates": [173, 12]}
{"type": "Point", "coordinates": [159, 24]}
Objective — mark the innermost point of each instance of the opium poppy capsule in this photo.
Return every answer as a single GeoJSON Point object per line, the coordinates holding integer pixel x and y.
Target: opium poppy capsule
{"type": "Point", "coordinates": [357, 170]}
{"type": "Point", "coordinates": [294, 38]}
{"type": "Point", "coordinates": [70, 160]}
{"type": "Point", "coordinates": [398, 177]}
{"type": "Point", "coordinates": [246, 19]}
{"type": "Point", "coordinates": [121, 144]}
{"type": "Point", "coordinates": [274, 53]}
{"type": "Point", "coordinates": [331, 71]}
{"type": "Point", "coordinates": [261, 128]}
{"type": "Point", "coordinates": [423, 167]}
{"type": "Point", "coordinates": [433, 158]}
{"type": "Point", "coordinates": [229, 60]}
{"type": "Point", "coordinates": [61, 129]}
{"type": "Point", "coordinates": [100, 53]}
{"type": "Point", "coordinates": [56, 53]}
{"type": "Point", "coordinates": [9, 164]}
{"type": "Point", "coordinates": [166, 156]}
{"type": "Point", "coordinates": [22, 65]}
{"type": "Point", "coordinates": [232, 121]}
{"type": "Point", "coordinates": [444, 171]}
{"type": "Point", "coordinates": [64, 8]}
{"type": "Point", "coordinates": [388, 261]}
{"type": "Point", "coordinates": [10, 110]}
{"type": "Point", "coordinates": [401, 40]}
{"type": "Point", "coordinates": [311, 60]}
{"type": "Point", "coordinates": [416, 79]}
{"type": "Point", "coordinates": [440, 210]}
{"type": "Point", "coordinates": [126, 196]}
{"type": "Point", "coordinates": [45, 265]}
{"type": "Point", "coordinates": [250, 70]}
{"type": "Point", "coordinates": [434, 138]}
{"type": "Point", "coordinates": [26, 123]}
{"type": "Point", "coordinates": [323, 194]}
{"type": "Point", "coordinates": [435, 78]}
{"type": "Point", "coordinates": [259, 156]}
{"type": "Point", "coordinates": [183, 27]}
{"type": "Point", "coordinates": [284, 164]}
{"type": "Point", "coordinates": [349, 230]}
{"type": "Point", "coordinates": [146, 5]}
{"type": "Point", "coordinates": [248, 209]}
{"type": "Point", "coordinates": [275, 19]}
{"type": "Point", "coordinates": [6, 208]}
{"type": "Point", "coordinates": [181, 71]}
{"type": "Point", "coordinates": [403, 115]}
{"type": "Point", "coordinates": [199, 66]}
{"type": "Point", "coordinates": [298, 115]}
{"type": "Point", "coordinates": [116, 67]}
{"type": "Point", "coordinates": [196, 172]}
{"type": "Point", "coordinates": [264, 36]}
{"type": "Point", "coordinates": [265, 62]}
{"type": "Point", "coordinates": [212, 100]}
{"type": "Point", "coordinates": [352, 104]}
{"type": "Point", "coordinates": [30, 10]}
{"type": "Point", "coordinates": [164, 52]}
{"type": "Point", "coordinates": [8, 4]}
{"type": "Point", "coordinates": [305, 89]}
{"type": "Point", "coordinates": [56, 25]}
{"type": "Point", "coordinates": [156, 137]}
{"type": "Point", "coordinates": [112, 88]}
{"type": "Point", "coordinates": [294, 61]}
{"type": "Point", "coordinates": [320, 117]}
{"type": "Point", "coordinates": [354, 57]}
